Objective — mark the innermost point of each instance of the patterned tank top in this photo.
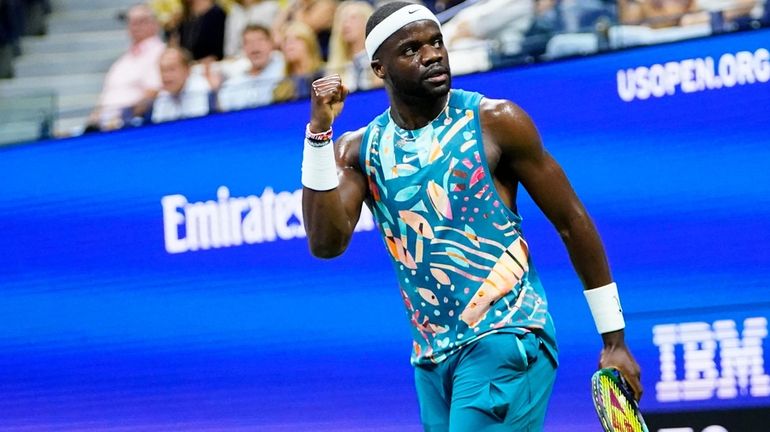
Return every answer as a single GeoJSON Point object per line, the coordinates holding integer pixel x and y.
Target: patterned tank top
{"type": "Point", "coordinates": [462, 264]}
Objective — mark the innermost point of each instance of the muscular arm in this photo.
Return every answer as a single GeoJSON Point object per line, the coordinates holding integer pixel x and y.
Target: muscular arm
{"type": "Point", "coordinates": [524, 159]}
{"type": "Point", "coordinates": [331, 216]}
{"type": "Point", "coordinates": [523, 156]}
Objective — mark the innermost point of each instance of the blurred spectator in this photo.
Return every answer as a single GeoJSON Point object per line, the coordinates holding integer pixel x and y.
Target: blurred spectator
{"type": "Point", "coordinates": [134, 76]}
{"type": "Point", "coordinates": [243, 13]}
{"type": "Point", "coordinates": [729, 15]}
{"type": "Point", "coordinates": [316, 14]}
{"type": "Point", "coordinates": [655, 13]}
{"type": "Point", "coordinates": [582, 15]}
{"type": "Point", "coordinates": [202, 30]}
{"type": "Point", "coordinates": [303, 62]}
{"type": "Point", "coordinates": [486, 26]}
{"type": "Point", "coordinates": [347, 54]}
{"type": "Point", "coordinates": [557, 17]}
{"type": "Point", "coordinates": [642, 22]}
{"type": "Point", "coordinates": [184, 95]}
{"type": "Point", "coordinates": [502, 22]}
{"type": "Point", "coordinates": [253, 85]}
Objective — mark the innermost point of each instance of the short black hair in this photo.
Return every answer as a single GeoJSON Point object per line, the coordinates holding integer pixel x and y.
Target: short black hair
{"type": "Point", "coordinates": [383, 12]}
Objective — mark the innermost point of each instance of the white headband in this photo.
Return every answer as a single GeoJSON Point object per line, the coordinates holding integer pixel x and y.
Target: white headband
{"type": "Point", "coordinates": [395, 22]}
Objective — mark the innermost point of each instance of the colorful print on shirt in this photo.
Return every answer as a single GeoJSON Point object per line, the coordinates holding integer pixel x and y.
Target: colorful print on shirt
{"type": "Point", "coordinates": [463, 266]}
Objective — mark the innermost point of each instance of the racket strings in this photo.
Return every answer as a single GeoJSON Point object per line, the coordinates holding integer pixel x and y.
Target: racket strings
{"type": "Point", "coordinates": [621, 414]}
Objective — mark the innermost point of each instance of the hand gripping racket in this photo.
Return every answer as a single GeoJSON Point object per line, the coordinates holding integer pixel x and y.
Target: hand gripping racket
{"type": "Point", "coordinates": [614, 403]}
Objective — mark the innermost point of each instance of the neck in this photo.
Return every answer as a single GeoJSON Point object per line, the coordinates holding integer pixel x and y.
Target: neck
{"type": "Point", "coordinates": [139, 41]}
{"type": "Point", "coordinates": [415, 112]}
{"type": "Point", "coordinates": [301, 66]}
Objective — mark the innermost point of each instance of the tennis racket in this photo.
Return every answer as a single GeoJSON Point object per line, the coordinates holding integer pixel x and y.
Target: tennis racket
{"type": "Point", "coordinates": [614, 403]}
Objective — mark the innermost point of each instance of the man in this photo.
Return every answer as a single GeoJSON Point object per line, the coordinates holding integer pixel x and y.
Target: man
{"type": "Point", "coordinates": [262, 70]}
{"type": "Point", "coordinates": [184, 95]}
{"type": "Point", "coordinates": [440, 170]}
{"type": "Point", "coordinates": [134, 77]}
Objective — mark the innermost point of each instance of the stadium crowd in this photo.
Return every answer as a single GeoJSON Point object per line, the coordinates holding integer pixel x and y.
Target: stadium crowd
{"type": "Point", "coordinates": [188, 58]}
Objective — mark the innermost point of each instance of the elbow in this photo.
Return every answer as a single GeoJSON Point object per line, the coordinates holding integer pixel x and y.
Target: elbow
{"type": "Point", "coordinates": [325, 253]}
{"type": "Point", "coordinates": [572, 227]}
{"type": "Point", "coordinates": [326, 250]}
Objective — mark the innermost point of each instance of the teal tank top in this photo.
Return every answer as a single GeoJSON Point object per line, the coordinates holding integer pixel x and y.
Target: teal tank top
{"type": "Point", "coordinates": [462, 264]}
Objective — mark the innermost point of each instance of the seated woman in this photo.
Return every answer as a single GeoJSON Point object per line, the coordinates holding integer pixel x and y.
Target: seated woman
{"type": "Point", "coordinates": [303, 62]}
{"type": "Point", "coordinates": [347, 56]}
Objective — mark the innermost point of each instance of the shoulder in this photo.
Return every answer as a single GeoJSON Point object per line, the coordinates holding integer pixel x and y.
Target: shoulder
{"type": "Point", "coordinates": [348, 148]}
{"type": "Point", "coordinates": [509, 126]}
{"type": "Point", "coordinates": [503, 113]}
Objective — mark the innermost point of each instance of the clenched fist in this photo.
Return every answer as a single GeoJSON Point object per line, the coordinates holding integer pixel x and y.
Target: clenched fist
{"type": "Point", "coordinates": [326, 98]}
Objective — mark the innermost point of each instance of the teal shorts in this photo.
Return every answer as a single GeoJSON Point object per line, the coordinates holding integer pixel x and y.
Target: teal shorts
{"type": "Point", "coordinates": [501, 382]}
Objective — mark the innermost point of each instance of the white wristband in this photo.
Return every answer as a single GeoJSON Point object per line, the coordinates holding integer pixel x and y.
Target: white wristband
{"type": "Point", "coordinates": [319, 169]}
{"type": "Point", "coordinates": [604, 303]}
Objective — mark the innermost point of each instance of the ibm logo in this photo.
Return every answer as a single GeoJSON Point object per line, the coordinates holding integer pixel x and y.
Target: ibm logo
{"type": "Point", "coordinates": [740, 357]}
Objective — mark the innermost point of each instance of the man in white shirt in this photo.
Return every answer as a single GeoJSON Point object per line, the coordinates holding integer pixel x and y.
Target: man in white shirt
{"type": "Point", "coordinates": [251, 83]}
{"type": "Point", "coordinates": [184, 95]}
{"type": "Point", "coordinates": [134, 76]}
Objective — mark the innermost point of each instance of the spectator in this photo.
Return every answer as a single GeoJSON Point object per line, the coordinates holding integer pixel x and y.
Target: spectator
{"type": "Point", "coordinates": [254, 85]}
{"type": "Point", "coordinates": [243, 13]}
{"type": "Point", "coordinates": [316, 14]}
{"type": "Point", "coordinates": [655, 13]}
{"type": "Point", "coordinates": [487, 26]}
{"type": "Point", "coordinates": [728, 15]}
{"type": "Point", "coordinates": [134, 76]}
{"type": "Point", "coordinates": [582, 15]}
{"type": "Point", "coordinates": [347, 55]}
{"type": "Point", "coordinates": [642, 22]}
{"type": "Point", "coordinates": [202, 30]}
{"type": "Point", "coordinates": [303, 62]}
{"type": "Point", "coordinates": [500, 22]}
{"type": "Point", "coordinates": [183, 95]}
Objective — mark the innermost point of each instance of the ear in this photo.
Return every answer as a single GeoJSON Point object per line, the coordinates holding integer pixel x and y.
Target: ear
{"type": "Point", "coordinates": [378, 68]}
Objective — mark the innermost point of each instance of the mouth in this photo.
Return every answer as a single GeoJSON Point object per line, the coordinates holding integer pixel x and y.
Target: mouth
{"type": "Point", "coordinates": [437, 75]}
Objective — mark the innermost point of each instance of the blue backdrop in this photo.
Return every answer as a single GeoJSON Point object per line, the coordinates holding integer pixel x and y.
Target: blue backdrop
{"type": "Point", "coordinates": [124, 310]}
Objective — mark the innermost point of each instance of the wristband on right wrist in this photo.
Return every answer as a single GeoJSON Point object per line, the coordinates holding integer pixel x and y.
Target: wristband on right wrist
{"type": "Point", "coordinates": [318, 136]}
{"type": "Point", "coordinates": [319, 169]}
{"type": "Point", "coordinates": [604, 303]}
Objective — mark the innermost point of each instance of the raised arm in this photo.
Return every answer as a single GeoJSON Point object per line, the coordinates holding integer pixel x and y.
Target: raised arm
{"type": "Point", "coordinates": [334, 184]}
{"type": "Point", "coordinates": [524, 160]}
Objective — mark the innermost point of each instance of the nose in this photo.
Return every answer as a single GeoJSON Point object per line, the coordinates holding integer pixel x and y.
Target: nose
{"type": "Point", "coordinates": [431, 54]}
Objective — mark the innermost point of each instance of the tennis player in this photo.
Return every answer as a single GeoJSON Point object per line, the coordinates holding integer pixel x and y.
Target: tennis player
{"type": "Point", "coordinates": [440, 171]}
